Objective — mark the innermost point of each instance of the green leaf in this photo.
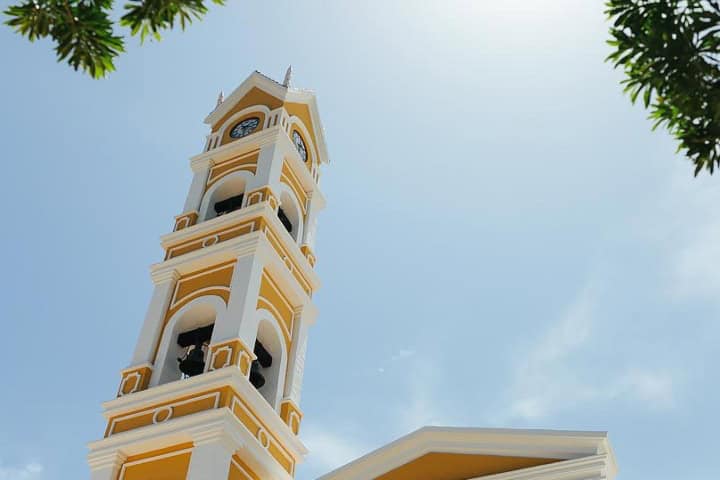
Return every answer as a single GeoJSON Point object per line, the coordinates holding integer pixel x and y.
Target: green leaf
{"type": "Point", "coordinates": [82, 31]}
{"type": "Point", "coordinates": [670, 50]}
{"type": "Point", "coordinates": [150, 17]}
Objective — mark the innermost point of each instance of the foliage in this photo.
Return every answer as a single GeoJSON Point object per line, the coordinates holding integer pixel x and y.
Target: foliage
{"type": "Point", "coordinates": [669, 50]}
{"type": "Point", "coordinates": [82, 30]}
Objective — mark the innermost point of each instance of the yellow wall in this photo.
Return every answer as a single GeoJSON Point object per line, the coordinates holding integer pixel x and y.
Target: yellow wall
{"type": "Point", "coordinates": [289, 178]}
{"type": "Point", "coordinates": [178, 407]}
{"type": "Point", "coordinates": [213, 280]}
{"type": "Point", "coordinates": [186, 405]}
{"type": "Point", "coordinates": [291, 415]}
{"type": "Point", "coordinates": [218, 276]}
{"type": "Point", "coordinates": [137, 379]}
{"type": "Point", "coordinates": [246, 161]}
{"type": "Point", "coordinates": [277, 244]}
{"type": "Point", "coordinates": [302, 111]}
{"type": "Point", "coordinates": [259, 97]}
{"type": "Point", "coordinates": [273, 299]}
{"type": "Point", "coordinates": [239, 470]}
{"type": "Point", "coordinates": [232, 353]}
{"type": "Point", "coordinates": [207, 239]}
{"type": "Point", "coordinates": [252, 422]}
{"type": "Point", "coordinates": [254, 97]}
{"type": "Point", "coordinates": [185, 220]}
{"type": "Point", "coordinates": [453, 466]}
{"type": "Point", "coordinates": [166, 464]}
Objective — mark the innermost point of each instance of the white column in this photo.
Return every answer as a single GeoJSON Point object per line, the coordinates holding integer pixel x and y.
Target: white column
{"type": "Point", "coordinates": [315, 205]}
{"type": "Point", "coordinates": [197, 187]}
{"type": "Point", "coordinates": [153, 325]}
{"type": "Point", "coordinates": [105, 466]}
{"type": "Point", "coordinates": [239, 318]}
{"type": "Point", "coordinates": [211, 456]}
{"type": "Point", "coordinates": [310, 228]}
{"type": "Point", "coordinates": [269, 166]}
{"type": "Point", "coordinates": [304, 318]}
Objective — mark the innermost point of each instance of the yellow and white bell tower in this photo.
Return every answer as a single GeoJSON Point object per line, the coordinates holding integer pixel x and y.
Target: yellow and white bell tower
{"type": "Point", "coordinates": [213, 388]}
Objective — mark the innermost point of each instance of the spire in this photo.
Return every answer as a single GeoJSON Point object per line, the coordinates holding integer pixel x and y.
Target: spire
{"type": "Point", "coordinates": [220, 100]}
{"type": "Point", "coordinates": [288, 77]}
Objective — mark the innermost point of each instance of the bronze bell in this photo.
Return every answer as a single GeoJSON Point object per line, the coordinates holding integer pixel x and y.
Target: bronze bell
{"type": "Point", "coordinates": [194, 362]}
{"type": "Point", "coordinates": [256, 378]}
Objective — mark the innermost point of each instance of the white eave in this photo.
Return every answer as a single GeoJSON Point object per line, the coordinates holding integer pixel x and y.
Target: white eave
{"type": "Point", "coordinates": [294, 95]}
{"type": "Point", "coordinates": [562, 445]}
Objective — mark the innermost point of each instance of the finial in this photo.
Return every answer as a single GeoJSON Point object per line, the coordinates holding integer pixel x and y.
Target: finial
{"type": "Point", "coordinates": [288, 77]}
{"type": "Point", "coordinates": [221, 98]}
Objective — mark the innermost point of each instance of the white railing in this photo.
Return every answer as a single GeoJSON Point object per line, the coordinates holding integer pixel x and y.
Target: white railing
{"type": "Point", "coordinates": [280, 117]}
{"type": "Point", "coordinates": [213, 141]}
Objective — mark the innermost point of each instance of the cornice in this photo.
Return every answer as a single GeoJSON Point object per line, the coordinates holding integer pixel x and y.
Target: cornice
{"type": "Point", "coordinates": [254, 141]}
{"type": "Point", "coordinates": [309, 314]}
{"type": "Point", "coordinates": [594, 466]}
{"type": "Point", "coordinates": [218, 424]}
{"type": "Point", "coordinates": [180, 388]}
{"type": "Point", "coordinates": [237, 247]}
{"type": "Point", "coordinates": [100, 460]}
{"type": "Point", "coordinates": [231, 249]}
{"type": "Point", "coordinates": [214, 224]}
{"type": "Point", "coordinates": [164, 275]}
{"type": "Point", "coordinates": [255, 243]}
{"type": "Point", "coordinates": [215, 436]}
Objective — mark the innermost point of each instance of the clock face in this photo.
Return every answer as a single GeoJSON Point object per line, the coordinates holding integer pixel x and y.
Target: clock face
{"type": "Point", "coordinates": [300, 145]}
{"type": "Point", "coordinates": [244, 128]}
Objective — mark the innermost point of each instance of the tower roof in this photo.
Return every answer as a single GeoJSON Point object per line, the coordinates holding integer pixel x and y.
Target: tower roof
{"type": "Point", "coordinates": [286, 94]}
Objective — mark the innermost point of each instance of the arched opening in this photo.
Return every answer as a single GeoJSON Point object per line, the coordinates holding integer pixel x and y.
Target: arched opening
{"type": "Point", "coordinates": [184, 345]}
{"type": "Point", "coordinates": [268, 370]}
{"type": "Point", "coordinates": [225, 197]}
{"type": "Point", "coordinates": [290, 215]}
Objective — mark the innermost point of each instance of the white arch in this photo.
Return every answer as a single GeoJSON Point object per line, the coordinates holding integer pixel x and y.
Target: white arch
{"type": "Point", "coordinates": [198, 312]}
{"type": "Point", "coordinates": [296, 122]}
{"type": "Point", "coordinates": [237, 116]}
{"type": "Point", "coordinates": [270, 334]}
{"type": "Point", "coordinates": [209, 198]}
{"type": "Point", "coordinates": [287, 198]}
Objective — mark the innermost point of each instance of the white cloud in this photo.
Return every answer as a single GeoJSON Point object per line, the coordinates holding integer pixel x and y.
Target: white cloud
{"type": "Point", "coordinates": [328, 449]}
{"type": "Point", "coordinates": [654, 389]}
{"type": "Point", "coordinates": [687, 229]}
{"type": "Point", "coordinates": [696, 263]}
{"type": "Point", "coordinates": [542, 379]}
{"type": "Point", "coordinates": [402, 353]}
{"type": "Point", "coordinates": [420, 406]}
{"type": "Point", "coordinates": [416, 405]}
{"type": "Point", "coordinates": [30, 471]}
{"type": "Point", "coordinates": [549, 379]}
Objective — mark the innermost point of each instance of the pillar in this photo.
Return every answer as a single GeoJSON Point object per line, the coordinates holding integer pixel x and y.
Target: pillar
{"type": "Point", "coordinates": [211, 456]}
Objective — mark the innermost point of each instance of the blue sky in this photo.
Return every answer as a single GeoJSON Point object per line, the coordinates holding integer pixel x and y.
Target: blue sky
{"type": "Point", "coordinates": [506, 242]}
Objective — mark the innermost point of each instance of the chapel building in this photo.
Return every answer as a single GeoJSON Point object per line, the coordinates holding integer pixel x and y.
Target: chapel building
{"type": "Point", "coordinates": [213, 389]}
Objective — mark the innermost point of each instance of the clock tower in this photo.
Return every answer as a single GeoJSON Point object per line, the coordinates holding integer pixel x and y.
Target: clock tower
{"type": "Point", "coordinates": [212, 391]}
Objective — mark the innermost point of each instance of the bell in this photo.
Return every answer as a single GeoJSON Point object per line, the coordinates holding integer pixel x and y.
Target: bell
{"type": "Point", "coordinates": [256, 378]}
{"type": "Point", "coordinates": [193, 363]}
